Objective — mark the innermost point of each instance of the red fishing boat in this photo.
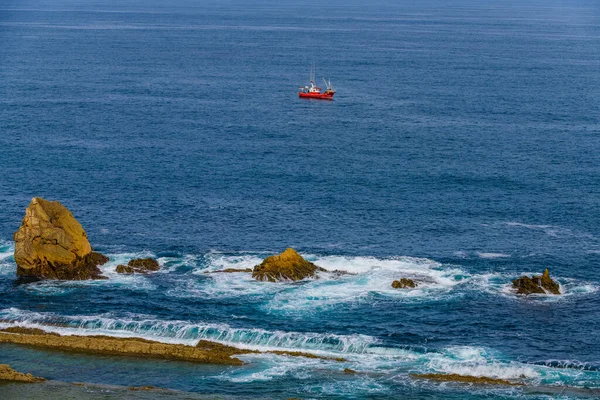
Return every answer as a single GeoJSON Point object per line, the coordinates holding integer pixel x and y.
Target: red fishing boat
{"type": "Point", "coordinates": [314, 92]}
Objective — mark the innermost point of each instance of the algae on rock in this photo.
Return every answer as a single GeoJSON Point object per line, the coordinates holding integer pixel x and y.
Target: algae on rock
{"type": "Point", "coordinates": [9, 374]}
{"type": "Point", "coordinates": [287, 266]}
{"type": "Point", "coordinates": [404, 283]}
{"type": "Point", "coordinates": [540, 284]}
{"type": "Point", "coordinates": [138, 266]}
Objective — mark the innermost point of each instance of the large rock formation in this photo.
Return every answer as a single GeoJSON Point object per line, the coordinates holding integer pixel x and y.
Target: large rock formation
{"type": "Point", "coordinates": [287, 266]}
{"type": "Point", "coordinates": [404, 283]}
{"type": "Point", "coordinates": [541, 284]}
{"type": "Point", "coordinates": [138, 266]}
{"type": "Point", "coordinates": [52, 244]}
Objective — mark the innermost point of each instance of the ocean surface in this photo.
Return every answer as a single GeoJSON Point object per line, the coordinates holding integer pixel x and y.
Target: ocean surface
{"type": "Point", "coordinates": [462, 149]}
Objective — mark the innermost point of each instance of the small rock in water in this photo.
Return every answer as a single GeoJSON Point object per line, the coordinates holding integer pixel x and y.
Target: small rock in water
{"type": "Point", "coordinates": [287, 266]}
{"type": "Point", "coordinates": [541, 284]}
{"type": "Point", "coordinates": [404, 283]}
{"type": "Point", "coordinates": [138, 266]}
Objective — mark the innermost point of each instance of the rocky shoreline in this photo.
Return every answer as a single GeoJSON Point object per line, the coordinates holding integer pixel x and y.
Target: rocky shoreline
{"type": "Point", "coordinates": [107, 345]}
{"type": "Point", "coordinates": [205, 351]}
{"type": "Point", "coordinates": [9, 374]}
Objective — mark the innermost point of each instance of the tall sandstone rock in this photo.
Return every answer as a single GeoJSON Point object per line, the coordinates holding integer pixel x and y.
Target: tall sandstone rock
{"type": "Point", "coordinates": [52, 244]}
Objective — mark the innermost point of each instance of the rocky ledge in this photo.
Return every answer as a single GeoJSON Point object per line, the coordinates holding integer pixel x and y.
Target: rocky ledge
{"type": "Point", "coordinates": [204, 352]}
{"type": "Point", "coordinates": [480, 380]}
{"type": "Point", "coordinates": [138, 266]}
{"type": "Point", "coordinates": [287, 266]}
{"type": "Point", "coordinates": [9, 374]}
{"type": "Point", "coordinates": [51, 244]}
{"type": "Point", "coordinates": [541, 284]}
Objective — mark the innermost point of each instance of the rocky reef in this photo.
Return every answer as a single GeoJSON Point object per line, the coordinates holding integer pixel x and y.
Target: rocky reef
{"type": "Point", "coordinates": [205, 352]}
{"type": "Point", "coordinates": [51, 244]}
{"type": "Point", "coordinates": [287, 266]}
{"type": "Point", "coordinates": [9, 374]}
{"type": "Point", "coordinates": [541, 284]}
{"type": "Point", "coordinates": [138, 266]}
{"type": "Point", "coordinates": [480, 380]}
{"type": "Point", "coordinates": [404, 283]}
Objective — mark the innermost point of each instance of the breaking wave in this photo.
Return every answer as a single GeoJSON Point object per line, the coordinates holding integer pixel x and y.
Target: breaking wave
{"type": "Point", "coordinates": [371, 357]}
{"type": "Point", "coordinates": [185, 332]}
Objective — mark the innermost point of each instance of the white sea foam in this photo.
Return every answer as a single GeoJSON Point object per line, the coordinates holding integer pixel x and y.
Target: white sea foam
{"type": "Point", "coordinates": [368, 277]}
{"type": "Point", "coordinates": [492, 255]}
{"type": "Point", "coordinates": [477, 361]}
{"type": "Point", "coordinates": [366, 354]}
{"type": "Point", "coordinates": [366, 280]}
{"type": "Point", "coordinates": [172, 264]}
{"type": "Point", "coordinates": [6, 250]}
{"type": "Point", "coordinates": [551, 230]}
{"type": "Point", "coordinates": [219, 261]}
{"type": "Point", "coordinates": [530, 226]}
{"type": "Point", "coordinates": [135, 325]}
{"type": "Point", "coordinates": [501, 284]}
{"type": "Point", "coordinates": [7, 265]}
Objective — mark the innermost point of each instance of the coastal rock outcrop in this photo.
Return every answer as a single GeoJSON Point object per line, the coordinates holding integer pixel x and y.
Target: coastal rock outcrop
{"type": "Point", "coordinates": [138, 266]}
{"type": "Point", "coordinates": [404, 283]}
{"type": "Point", "coordinates": [287, 266]}
{"type": "Point", "coordinates": [204, 352]}
{"type": "Point", "coordinates": [541, 284]}
{"type": "Point", "coordinates": [52, 244]}
{"type": "Point", "coordinates": [9, 374]}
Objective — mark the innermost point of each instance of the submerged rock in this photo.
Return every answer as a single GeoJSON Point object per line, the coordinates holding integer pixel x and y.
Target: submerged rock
{"type": "Point", "coordinates": [27, 331]}
{"type": "Point", "coordinates": [481, 380]}
{"type": "Point", "coordinates": [9, 374]}
{"type": "Point", "coordinates": [138, 266]}
{"type": "Point", "coordinates": [52, 244]}
{"type": "Point", "coordinates": [287, 266]}
{"type": "Point", "coordinates": [541, 284]}
{"type": "Point", "coordinates": [231, 270]}
{"type": "Point", "coordinates": [404, 283]}
{"type": "Point", "coordinates": [143, 388]}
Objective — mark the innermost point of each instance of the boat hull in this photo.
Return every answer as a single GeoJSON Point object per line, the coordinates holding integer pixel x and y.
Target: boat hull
{"type": "Point", "coordinates": [317, 96]}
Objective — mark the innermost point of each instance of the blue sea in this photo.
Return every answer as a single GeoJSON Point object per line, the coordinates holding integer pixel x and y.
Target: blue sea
{"type": "Point", "coordinates": [461, 149]}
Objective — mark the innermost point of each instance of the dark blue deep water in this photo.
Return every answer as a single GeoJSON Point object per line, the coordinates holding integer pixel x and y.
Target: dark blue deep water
{"type": "Point", "coordinates": [462, 149]}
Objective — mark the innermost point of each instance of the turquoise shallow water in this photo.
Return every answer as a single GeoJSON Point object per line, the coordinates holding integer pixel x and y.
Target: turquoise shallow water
{"type": "Point", "coordinates": [460, 150]}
